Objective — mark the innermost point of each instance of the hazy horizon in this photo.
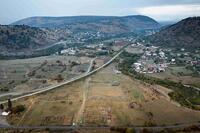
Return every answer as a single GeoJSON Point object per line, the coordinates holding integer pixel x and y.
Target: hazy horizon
{"type": "Point", "coordinates": [160, 10]}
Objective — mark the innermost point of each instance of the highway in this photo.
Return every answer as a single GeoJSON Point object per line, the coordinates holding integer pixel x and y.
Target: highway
{"type": "Point", "coordinates": [66, 82]}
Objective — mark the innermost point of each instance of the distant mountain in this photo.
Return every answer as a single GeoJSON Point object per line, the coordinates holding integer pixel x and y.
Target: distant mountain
{"type": "Point", "coordinates": [167, 23]}
{"type": "Point", "coordinates": [24, 38]}
{"type": "Point", "coordinates": [105, 24]}
{"type": "Point", "coordinates": [185, 33]}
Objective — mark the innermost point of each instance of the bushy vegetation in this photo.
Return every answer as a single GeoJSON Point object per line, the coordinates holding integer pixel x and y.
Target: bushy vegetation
{"type": "Point", "coordinates": [4, 89]}
{"type": "Point", "coordinates": [20, 41]}
{"type": "Point", "coordinates": [43, 52]}
{"type": "Point", "coordinates": [127, 60]}
{"type": "Point", "coordinates": [18, 109]}
{"type": "Point", "coordinates": [19, 37]}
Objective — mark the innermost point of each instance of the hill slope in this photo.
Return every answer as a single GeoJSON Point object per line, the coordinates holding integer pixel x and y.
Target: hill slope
{"type": "Point", "coordinates": [185, 33]}
{"type": "Point", "coordinates": [106, 24]}
{"type": "Point", "coordinates": [24, 38]}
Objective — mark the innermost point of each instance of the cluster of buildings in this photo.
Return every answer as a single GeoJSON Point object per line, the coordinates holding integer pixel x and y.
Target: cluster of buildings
{"type": "Point", "coordinates": [153, 60]}
{"type": "Point", "coordinates": [88, 35]}
{"type": "Point", "coordinates": [156, 60]}
{"type": "Point", "coordinates": [149, 68]}
{"type": "Point", "coordinates": [154, 52]}
{"type": "Point", "coordinates": [69, 51]}
{"type": "Point", "coordinates": [99, 49]}
{"type": "Point", "coordinates": [88, 50]}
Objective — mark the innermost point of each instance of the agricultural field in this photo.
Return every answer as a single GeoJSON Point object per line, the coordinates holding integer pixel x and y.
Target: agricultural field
{"type": "Point", "coordinates": [53, 108]}
{"type": "Point", "coordinates": [179, 74]}
{"type": "Point", "coordinates": [105, 98]}
{"type": "Point", "coordinates": [101, 60]}
{"type": "Point", "coordinates": [118, 45]}
{"type": "Point", "coordinates": [134, 50]}
{"type": "Point", "coordinates": [25, 75]}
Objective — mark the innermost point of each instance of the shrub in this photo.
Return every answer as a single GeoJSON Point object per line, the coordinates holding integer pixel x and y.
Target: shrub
{"type": "Point", "coordinates": [18, 109]}
{"type": "Point", "coordinates": [1, 106]}
{"type": "Point", "coordinates": [130, 130]}
{"type": "Point", "coordinates": [38, 76]}
{"type": "Point", "coordinates": [58, 77]}
{"type": "Point", "coordinates": [5, 89]}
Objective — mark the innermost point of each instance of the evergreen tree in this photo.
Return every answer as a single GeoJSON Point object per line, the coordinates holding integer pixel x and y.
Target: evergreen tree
{"type": "Point", "coordinates": [9, 105]}
{"type": "Point", "coordinates": [1, 107]}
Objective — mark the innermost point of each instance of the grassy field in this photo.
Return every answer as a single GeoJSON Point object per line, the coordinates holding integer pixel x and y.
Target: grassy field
{"type": "Point", "coordinates": [178, 74]}
{"type": "Point", "coordinates": [24, 75]}
{"type": "Point", "coordinates": [53, 108]}
{"type": "Point", "coordinates": [134, 50]}
{"type": "Point", "coordinates": [105, 98]}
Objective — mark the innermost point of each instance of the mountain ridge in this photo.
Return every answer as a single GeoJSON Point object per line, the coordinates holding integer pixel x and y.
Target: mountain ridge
{"type": "Point", "coordinates": [107, 24]}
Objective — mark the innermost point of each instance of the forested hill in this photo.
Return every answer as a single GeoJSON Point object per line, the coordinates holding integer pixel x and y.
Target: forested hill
{"type": "Point", "coordinates": [185, 33]}
{"type": "Point", "coordinates": [21, 38]}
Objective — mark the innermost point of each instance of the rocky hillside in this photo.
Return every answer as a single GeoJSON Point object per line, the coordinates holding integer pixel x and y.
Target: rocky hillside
{"type": "Point", "coordinates": [24, 38]}
{"type": "Point", "coordinates": [105, 24]}
{"type": "Point", "coordinates": [185, 33]}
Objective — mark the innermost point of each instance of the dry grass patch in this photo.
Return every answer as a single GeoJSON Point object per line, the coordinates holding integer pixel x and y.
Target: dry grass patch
{"type": "Point", "coordinates": [57, 107]}
{"type": "Point", "coordinates": [105, 90]}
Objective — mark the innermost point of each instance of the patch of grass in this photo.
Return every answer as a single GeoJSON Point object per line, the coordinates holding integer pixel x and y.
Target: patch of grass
{"type": "Point", "coordinates": [180, 71]}
{"type": "Point", "coordinates": [195, 100]}
{"type": "Point", "coordinates": [137, 95]}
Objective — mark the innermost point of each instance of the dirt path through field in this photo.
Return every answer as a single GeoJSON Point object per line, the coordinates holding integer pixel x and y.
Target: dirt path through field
{"type": "Point", "coordinates": [4, 73]}
{"type": "Point", "coordinates": [79, 116]}
{"type": "Point", "coordinates": [32, 101]}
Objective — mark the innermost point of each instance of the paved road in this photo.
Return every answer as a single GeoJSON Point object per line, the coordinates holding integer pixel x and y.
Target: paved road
{"type": "Point", "coordinates": [198, 89]}
{"type": "Point", "coordinates": [70, 127]}
{"type": "Point", "coordinates": [66, 82]}
{"type": "Point", "coordinates": [57, 43]}
{"type": "Point", "coordinates": [10, 93]}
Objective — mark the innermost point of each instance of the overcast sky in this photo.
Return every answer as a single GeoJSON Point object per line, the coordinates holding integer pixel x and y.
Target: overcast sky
{"type": "Point", "coordinates": [161, 10]}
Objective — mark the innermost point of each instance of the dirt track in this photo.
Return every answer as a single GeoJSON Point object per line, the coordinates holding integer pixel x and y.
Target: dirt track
{"type": "Point", "coordinates": [79, 117]}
